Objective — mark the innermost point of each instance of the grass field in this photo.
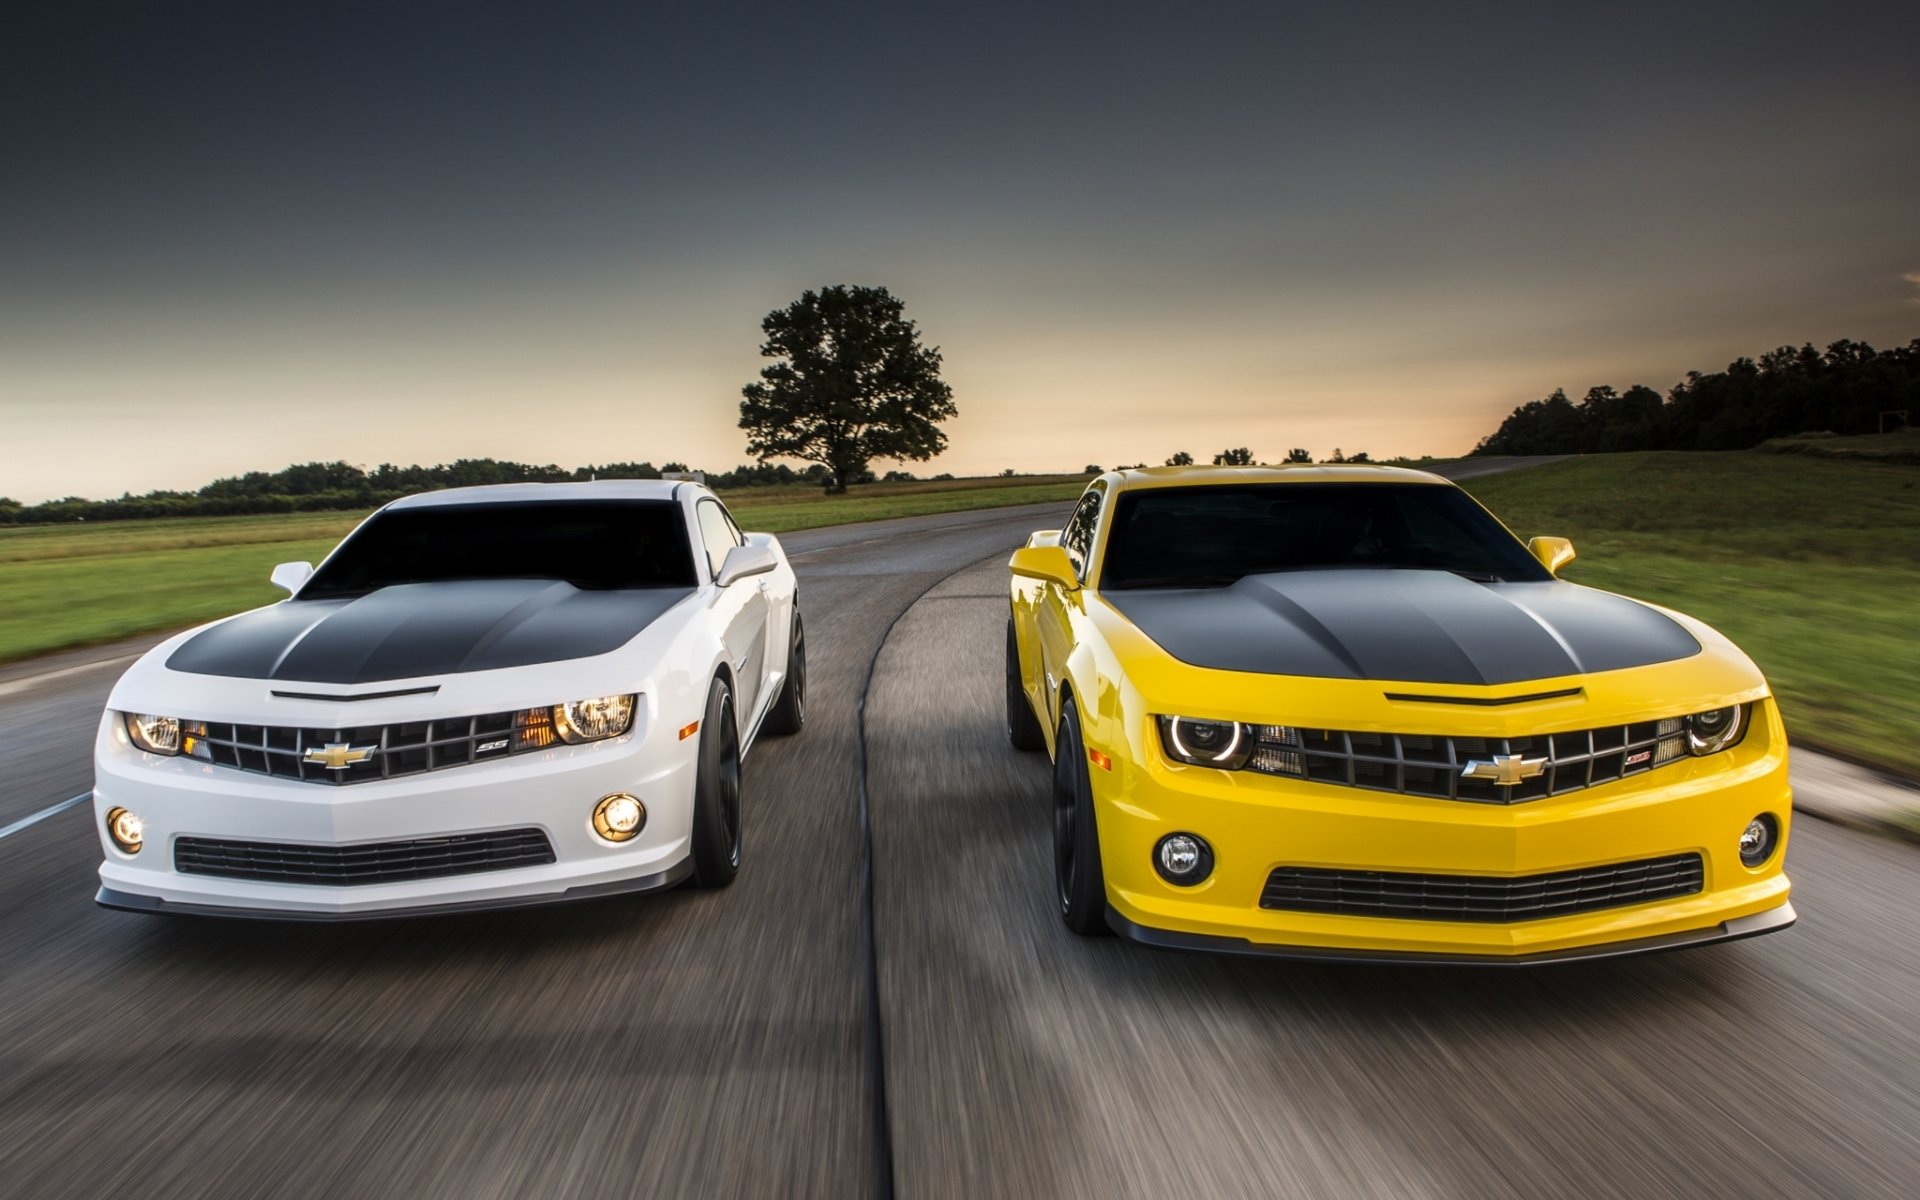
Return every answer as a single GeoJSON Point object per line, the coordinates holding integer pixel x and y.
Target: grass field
{"type": "Point", "coordinates": [63, 586]}
{"type": "Point", "coordinates": [1811, 564]}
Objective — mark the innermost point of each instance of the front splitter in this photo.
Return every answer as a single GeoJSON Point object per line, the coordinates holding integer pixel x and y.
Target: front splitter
{"type": "Point", "coordinates": [1770, 921]}
{"type": "Point", "coordinates": [659, 881]}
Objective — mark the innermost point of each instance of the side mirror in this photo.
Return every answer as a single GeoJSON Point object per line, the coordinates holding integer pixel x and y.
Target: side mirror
{"type": "Point", "coordinates": [290, 576]}
{"type": "Point", "coordinates": [742, 561]}
{"type": "Point", "coordinates": [1047, 563]}
{"type": "Point", "coordinates": [1552, 552]}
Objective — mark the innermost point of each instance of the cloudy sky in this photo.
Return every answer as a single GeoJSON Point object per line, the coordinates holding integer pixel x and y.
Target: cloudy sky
{"type": "Point", "coordinates": [234, 236]}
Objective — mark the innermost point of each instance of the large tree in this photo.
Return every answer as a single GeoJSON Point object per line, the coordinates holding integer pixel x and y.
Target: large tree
{"type": "Point", "coordinates": [852, 383]}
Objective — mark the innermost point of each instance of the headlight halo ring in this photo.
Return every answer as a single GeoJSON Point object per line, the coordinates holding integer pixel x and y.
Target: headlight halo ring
{"type": "Point", "coordinates": [1178, 740]}
{"type": "Point", "coordinates": [1716, 729]}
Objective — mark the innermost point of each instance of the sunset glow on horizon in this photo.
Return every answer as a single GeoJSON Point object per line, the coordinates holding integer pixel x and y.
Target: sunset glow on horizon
{"type": "Point", "coordinates": [232, 243]}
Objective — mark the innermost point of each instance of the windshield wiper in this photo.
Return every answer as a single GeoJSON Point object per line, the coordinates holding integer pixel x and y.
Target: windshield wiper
{"type": "Point", "coordinates": [1478, 576]}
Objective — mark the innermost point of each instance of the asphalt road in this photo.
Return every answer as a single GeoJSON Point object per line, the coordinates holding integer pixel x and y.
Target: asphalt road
{"type": "Point", "coordinates": [1024, 1061]}
{"type": "Point", "coordinates": [692, 1043]}
{"type": "Point", "coordinates": [715, 1043]}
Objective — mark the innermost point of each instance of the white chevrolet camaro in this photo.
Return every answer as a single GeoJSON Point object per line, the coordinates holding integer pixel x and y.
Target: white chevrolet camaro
{"type": "Point", "coordinates": [483, 698]}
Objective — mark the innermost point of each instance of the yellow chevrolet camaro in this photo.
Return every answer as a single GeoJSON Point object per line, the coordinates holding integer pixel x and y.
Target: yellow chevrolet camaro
{"type": "Point", "coordinates": [1342, 712]}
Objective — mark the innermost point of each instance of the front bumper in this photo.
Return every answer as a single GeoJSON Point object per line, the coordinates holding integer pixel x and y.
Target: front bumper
{"type": "Point", "coordinates": [552, 790]}
{"type": "Point", "coordinates": [1257, 823]}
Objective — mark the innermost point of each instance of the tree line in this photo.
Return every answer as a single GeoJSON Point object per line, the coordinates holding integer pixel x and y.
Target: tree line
{"type": "Point", "coordinates": [325, 486]}
{"type": "Point", "coordinates": [1844, 390]}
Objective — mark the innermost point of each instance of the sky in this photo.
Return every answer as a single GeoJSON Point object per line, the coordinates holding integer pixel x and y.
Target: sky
{"type": "Point", "coordinates": [235, 236]}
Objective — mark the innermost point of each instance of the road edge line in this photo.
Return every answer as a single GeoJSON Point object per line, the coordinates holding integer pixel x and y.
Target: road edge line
{"type": "Point", "coordinates": [32, 819]}
{"type": "Point", "coordinates": [26, 683]}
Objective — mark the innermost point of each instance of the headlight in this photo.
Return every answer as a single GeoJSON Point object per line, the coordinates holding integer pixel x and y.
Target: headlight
{"type": "Point", "coordinates": [1716, 730]}
{"type": "Point", "coordinates": [574, 722]}
{"type": "Point", "coordinates": [155, 735]}
{"type": "Point", "coordinates": [1223, 744]}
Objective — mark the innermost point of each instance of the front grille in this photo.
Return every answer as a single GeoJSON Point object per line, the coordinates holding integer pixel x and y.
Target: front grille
{"type": "Point", "coordinates": [1431, 765]}
{"type": "Point", "coordinates": [376, 862]}
{"type": "Point", "coordinates": [1482, 897]}
{"type": "Point", "coordinates": [409, 748]}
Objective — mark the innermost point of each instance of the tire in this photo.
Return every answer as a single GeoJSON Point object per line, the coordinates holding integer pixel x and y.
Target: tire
{"type": "Point", "coordinates": [1023, 727]}
{"type": "Point", "coordinates": [1080, 884]}
{"type": "Point", "coordinates": [789, 712]}
{"type": "Point", "coordinates": [715, 849]}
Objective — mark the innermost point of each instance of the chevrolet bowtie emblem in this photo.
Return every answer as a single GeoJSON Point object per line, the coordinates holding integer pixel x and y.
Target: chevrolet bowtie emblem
{"type": "Point", "coordinates": [1506, 770]}
{"type": "Point", "coordinates": [338, 756]}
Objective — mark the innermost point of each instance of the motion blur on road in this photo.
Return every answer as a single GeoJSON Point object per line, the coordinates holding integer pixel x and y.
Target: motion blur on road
{"type": "Point", "coordinates": [718, 1043]}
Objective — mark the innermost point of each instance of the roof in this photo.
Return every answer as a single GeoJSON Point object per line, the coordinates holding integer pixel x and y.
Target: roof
{"type": "Point", "coordinates": [523, 493]}
{"type": "Point", "coordinates": [1198, 476]}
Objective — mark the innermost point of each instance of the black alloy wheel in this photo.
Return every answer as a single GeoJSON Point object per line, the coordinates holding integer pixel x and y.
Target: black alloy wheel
{"type": "Point", "coordinates": [1079, 881]}
{"type": "Point", "coordinates": [716, 799]}
{"type": "Point", "coordinates": [1023, 727]}
{"type": "Point", "coordinates": [789, 712]}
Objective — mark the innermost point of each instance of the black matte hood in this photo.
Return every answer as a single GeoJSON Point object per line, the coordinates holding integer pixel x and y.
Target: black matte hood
{"type": "Point", "coordinates": [416, 629]}
{"type": "Point", "coordinates": [1407, 626]}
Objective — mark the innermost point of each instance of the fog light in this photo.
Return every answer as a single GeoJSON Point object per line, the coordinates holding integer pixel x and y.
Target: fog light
{"type": "Point", "coordinates": [1183, 859]}
{"type": "Point", "coordinates": [618, 817]}
{"type": "Point", "coordinates": [126, 830]}
{"type": "Point", "coordinates": [1758, 839]}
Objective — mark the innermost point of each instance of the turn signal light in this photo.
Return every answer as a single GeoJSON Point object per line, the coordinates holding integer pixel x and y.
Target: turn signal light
{"type": "Point", "coordinates": [533, 729]}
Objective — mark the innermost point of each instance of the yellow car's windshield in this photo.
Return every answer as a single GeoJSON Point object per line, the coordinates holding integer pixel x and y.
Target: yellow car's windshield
{"type": "Point", "coordinates": [1212, 536]}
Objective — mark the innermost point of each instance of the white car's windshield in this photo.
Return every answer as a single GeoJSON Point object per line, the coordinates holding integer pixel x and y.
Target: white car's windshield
{"type": "Point", "coordinates": [594, 544]}
{"type": "Point", "coordinates": [1212, 536]}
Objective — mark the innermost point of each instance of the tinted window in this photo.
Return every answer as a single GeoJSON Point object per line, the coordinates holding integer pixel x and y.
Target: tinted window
{"type": "Point", "coordinates": [1077, 538]}
{"type": "Point", "coordinates": [717, 532]}
{"type": "Point", "coordinates": [1209, 537]}
{"type": "Point", "coordinates": [597, 544]}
